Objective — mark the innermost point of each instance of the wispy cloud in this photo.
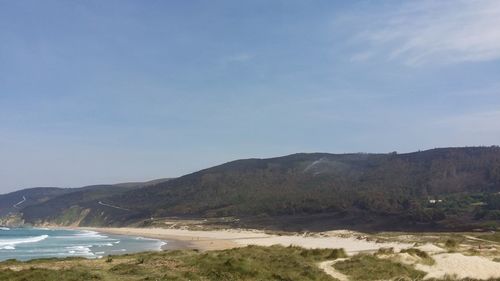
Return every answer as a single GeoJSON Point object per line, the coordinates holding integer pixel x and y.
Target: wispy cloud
{"type": "Point", "coordinates": [477, 122]}
{"type": "Point", "coordinates": [424, 32]}
{"type": "Point", "coordinates": [237, 58]}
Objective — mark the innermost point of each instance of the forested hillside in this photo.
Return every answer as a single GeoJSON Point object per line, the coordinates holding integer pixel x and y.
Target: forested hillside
{"type": "Point", "coordinates": [15, 201]}
{"type": "Point", "coordinates": [449, 187]}
{"type": "Point", "coordinates": [62, 205]}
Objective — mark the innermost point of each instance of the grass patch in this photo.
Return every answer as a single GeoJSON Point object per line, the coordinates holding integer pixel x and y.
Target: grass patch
{"type": "Point", "coordinates": [128, 269]}
{"type": "Point", "coordinates": [385, 251]}
{"type": "Point", "coordinates": [322, 254]}
{"type": "Point", "coordinates": [369, 267]}
{"type": "Point", "coordinates": [337, 254]}
{"type": "Point", "coordinates": [47, 274]}
{"type": "Point", "coordinates": [261, 263]}
{"type": "Point", "coordinates": [425, 258]}
{"type": "Point", "coordinates": [454, 278]}
{"type": "Point", "coordinates": [246, 264]}
{"type": "Point", "coordinates": [451, 244]}
{"type": "Point", "coordinates": [495, 237]}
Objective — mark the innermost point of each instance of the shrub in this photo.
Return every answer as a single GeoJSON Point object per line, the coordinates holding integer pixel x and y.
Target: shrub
{"type": "Point", "coordinates": [451, 244]}
{"type": "Point", "coordinates": [369, 267]}
{"type": "Point", "coordinates": [385, 251]}
{"type": "Point", "coordinates": [426, 259]}
{"type": "Point", "coordinates": [337, 254]}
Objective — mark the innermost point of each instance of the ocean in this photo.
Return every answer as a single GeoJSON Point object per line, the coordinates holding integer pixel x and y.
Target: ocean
{"type": "Point", "coordinates": [31, 243]}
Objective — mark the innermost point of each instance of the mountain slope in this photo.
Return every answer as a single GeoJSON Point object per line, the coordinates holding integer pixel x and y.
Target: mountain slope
{"type": "Point", "coordinates": [53, 203]}
{"type": "Point", "coordinates": [15, 201]}
{"type": "Point", "coordinates": [73, 207]}
{"type": "Point", "coordinates": [356, 188]}
{"type": "Point", "coordinates": [67, 208]}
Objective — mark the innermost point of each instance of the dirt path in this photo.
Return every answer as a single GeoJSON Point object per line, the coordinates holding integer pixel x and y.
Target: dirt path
{"type": "Point", "coordinates": [19, 203]}
{"type": "Point", "coordinates": [479, 239]}
{"type": "Point", "coordinates": [327, 267]}
{"type": "Point", "coordinates": [112, 206]}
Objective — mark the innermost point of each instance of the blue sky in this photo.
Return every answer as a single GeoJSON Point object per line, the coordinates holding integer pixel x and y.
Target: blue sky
{"type": "Point", "coordinates": [111, 91]}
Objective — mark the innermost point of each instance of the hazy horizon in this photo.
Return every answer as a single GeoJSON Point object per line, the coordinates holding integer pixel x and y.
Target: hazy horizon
{"type": "Point", "coordinates": [101, 92]}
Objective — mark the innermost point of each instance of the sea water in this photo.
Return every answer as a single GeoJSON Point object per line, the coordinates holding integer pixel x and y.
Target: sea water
{"type": "Point", "coordinates": [31, 243]}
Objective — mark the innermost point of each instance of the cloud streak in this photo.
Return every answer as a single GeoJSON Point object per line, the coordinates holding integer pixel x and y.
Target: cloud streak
{"type": "Point", "coordinates": [477, 122]}
{"type": "Point", "coordinates": [425, 32]}
{"type": "Point", "coordinates": [238, 58]}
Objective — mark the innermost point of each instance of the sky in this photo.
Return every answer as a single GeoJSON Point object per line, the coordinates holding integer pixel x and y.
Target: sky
{"type": "Point", "coordinates": [104, 91]}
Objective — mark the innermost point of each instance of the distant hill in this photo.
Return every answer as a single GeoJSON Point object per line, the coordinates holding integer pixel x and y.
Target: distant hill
{"type": "Point", "coordinates": [141, 184]}
{"type": "Point", "coordinates": [15, 201]}
{"type": "Point", "coordinates": [453, 188]}
{"type": "Point", "coordinates": [47, 201]}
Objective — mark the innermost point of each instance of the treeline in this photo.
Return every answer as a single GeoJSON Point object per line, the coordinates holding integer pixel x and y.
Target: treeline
{"type": "Point", "coordinates": [422, 187]}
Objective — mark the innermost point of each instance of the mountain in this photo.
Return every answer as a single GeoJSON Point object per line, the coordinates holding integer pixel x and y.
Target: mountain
{"type": "Point", "coordinates": [452, 188]}
{"type": "Point", "coordinates": [68, 205]}
{"type": "Point", "coordinates": [46, 201]}
{"type": "Point", "coordinates": [141, 184]}
{"type": "Point", "coordinates": [15, 201]}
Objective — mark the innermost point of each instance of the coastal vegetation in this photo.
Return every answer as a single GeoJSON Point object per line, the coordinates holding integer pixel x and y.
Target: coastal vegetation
{"type": "Point", "coordinates": [250, 263]}
{"type": "Point", "coordinates": [369, 267]}
{"type": "Point", "coordinates": [495, 237]}
{"type": "Point", "coordinates": [424, 256]}
{"type": "Point", "coordinates": [440, 189]}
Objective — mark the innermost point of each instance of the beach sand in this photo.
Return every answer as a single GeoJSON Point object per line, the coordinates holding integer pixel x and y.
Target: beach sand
{"type": "Point", "coordinates": [232, 238]}
{"type": "Point", "coordinates": [176, 239]}
{"type": "Point", "coordinates": [461, 266]}
{"type": "Point", "coordinates": [451, 264]}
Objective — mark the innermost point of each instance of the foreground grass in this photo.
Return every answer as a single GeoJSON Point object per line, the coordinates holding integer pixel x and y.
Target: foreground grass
{"type": "Point", "coordinates": [250, 263]}
{"type": "Point", "coordinates": [366, 267]}
{"type": "Point", "coordinates": [247, 264]}
{"type": "Point", "coordinates": [369, 267]}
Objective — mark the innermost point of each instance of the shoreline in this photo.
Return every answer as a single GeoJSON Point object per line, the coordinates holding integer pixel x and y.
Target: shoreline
{"type": "Point", "coordinates": [458, 263]}
{"type": "Point", "coordinates": [188, 240]}
{"type": "Point", "coordinates": [203, 240]}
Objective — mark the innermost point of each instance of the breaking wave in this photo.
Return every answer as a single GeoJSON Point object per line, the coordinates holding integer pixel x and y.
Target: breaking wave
{"type": "Point", "coordinates": [29, 243]}
{"type": "Point", "coordinates": [9, 244]}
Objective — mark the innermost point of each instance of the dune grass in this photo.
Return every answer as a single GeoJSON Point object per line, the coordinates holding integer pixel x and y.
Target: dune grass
{"type": "Point", "coordinates": [424, 257]}
{"type": "Point", "coordinates": [47, 274]}
{"type": "Point", "coordinates": [369, 267]}
{"type": "Point", "coordinates": [495, 237]}
{"type": "Point", "coordinates": [249, 263]}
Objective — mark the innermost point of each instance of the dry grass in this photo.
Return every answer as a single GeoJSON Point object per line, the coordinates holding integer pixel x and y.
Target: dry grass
{"type": "Point", "coordinates": [249, 263]}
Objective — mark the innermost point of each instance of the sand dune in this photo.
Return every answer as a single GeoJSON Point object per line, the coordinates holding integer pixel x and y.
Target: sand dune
{"type": "Point", "coordinates": [447, 264]}
{"type": "Point", "coordinates": [461, 267]}
{"type": "Point", "coordinates": [224, 239]}
{"type": "Point", "coordinates": [350, 244]}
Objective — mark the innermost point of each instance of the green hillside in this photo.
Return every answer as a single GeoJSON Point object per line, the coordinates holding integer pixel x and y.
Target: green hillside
{"type": "Point", "coordinates": [63, 205]}
{"type": "Point", "coordinates": [15, 201]}
{"type": "Point", "coordinates": [372, 190]}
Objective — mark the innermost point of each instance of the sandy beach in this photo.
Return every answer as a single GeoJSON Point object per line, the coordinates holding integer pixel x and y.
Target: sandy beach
{"type": "Point", "coordinates": [446, 264]}
{"type": "Point", "coordinates": [226, 239]}
{"type": "Point", "coordinates": [461, 266]}
{"type": "Point", "coordinates": [178, 239]}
